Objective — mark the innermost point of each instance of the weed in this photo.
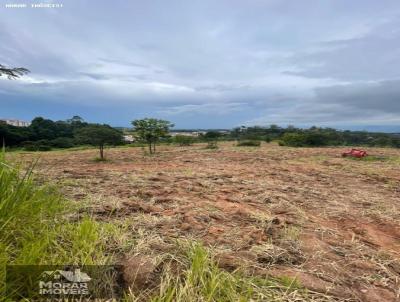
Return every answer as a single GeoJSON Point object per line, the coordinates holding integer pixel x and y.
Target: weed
{"type": "Point", "coordinates": [292, 233]}
{"type": "Point", "coordinates": [249, 143]}
{"type": "Point", "coordinates": [99, 159]}
{"type": "Point", "coordinates": [212, 145]}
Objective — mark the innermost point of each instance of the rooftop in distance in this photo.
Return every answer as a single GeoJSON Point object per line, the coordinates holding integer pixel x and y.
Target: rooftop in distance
{"type": "Point", "coordinates": [15, 122]}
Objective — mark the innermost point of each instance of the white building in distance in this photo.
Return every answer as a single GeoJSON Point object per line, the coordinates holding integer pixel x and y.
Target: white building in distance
{"type": "Point", "coordinates": [129, 138]}
{"type": "Point", "coordinates": [187, 133]}
{"type": "Point", "coordinates": [17, 123]}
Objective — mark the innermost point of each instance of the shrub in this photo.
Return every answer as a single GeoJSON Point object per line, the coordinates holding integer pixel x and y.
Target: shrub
{"type": "Point", "coordinates": [293, 140]}
{"type": "Point", "coordinates": [62, 142]}
{"type": "Point", "coordinates": [212, 135]}
{"type": "Point", "coordinates": [249, 143]}
{"type": "Point", "coordinates": [212, 145]}
{"type": "Point", "coordinates": [307, 139]}
{"type": "Point", "coordinates": [183, 140]}
{"type": "Point", "coordinates": [315, 139]}
{"type": "Point", "coordinates": [41, 145]}
{"type": "Point", "coordinates": [44, 148]}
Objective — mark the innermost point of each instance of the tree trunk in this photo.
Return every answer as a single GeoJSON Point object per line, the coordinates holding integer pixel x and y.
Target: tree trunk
{"type": "Point", "coordinates": [101, 152]}
{"type": "Point", "coordinates": [154, 147]}
{"type": "Point", "coordinates": [150, 149]}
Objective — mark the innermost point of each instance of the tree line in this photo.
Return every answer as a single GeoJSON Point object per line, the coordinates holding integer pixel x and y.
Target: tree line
{"type": "Point", "coordinates": [315, 136]}
{"type": "Point", "coordinates": [44, 134]}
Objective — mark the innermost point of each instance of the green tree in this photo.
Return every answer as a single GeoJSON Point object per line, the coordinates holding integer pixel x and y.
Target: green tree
{"type": "Point", "coordinates": [99, 135]}
{"type": "Point", "coordinates": [43, 128]}
{"type": "Point", "coordinates": [75, 119]}
{"type": "Point", "coordinates": [151, 130]}
{"type": "Point", "coordinates": [11, 135]}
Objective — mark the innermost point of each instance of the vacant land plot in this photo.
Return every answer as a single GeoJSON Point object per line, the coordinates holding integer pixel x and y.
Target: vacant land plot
{"type": "Point", "coordinates": [331, 222]}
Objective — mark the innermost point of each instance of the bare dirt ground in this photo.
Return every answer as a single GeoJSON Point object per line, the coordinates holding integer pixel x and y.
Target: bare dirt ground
{"type": "Point", "coordinates": [332, 222]}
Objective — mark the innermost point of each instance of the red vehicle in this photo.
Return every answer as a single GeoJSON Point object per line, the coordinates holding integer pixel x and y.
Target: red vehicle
{"type": "Point", "coordinates": [355, 153]}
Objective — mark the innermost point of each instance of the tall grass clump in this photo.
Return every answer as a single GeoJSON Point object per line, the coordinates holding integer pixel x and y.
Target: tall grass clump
{"type": "Point", "coordinates": [212, 145]}
{"type": "Point", "coordinates": [27, 210]}
{"type": "Point", "coordinates": [33, 227]}
{"type": "Point", "coordinates": [201, 279]}
{"type": "Point", "coordinates": [27, 214]}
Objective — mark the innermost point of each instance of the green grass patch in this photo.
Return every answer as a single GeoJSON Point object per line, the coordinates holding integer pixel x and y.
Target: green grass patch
{"type": "Point", "coordinates": [99, 159]}
{"type": "Point", "coordinates": [34, 230]}
{"type": "Point", "coordinates": [371, 158]}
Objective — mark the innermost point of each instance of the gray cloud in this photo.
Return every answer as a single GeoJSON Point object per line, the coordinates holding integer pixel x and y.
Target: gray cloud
{"type": "Point", "coordinates": [207, 108]}
{"type": "Point", "coordinates": [124, 63]}
{"type": "Point", "coordinates": [374, 103]}
{"type": "Point", "coordinates": [381, 96]}
{"type": "Point", "coordinates": [374, 55]}
{"type": "Point", "coordinates": [280, 61]}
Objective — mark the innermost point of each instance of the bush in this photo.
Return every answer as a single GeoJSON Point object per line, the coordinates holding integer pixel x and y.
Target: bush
{"type": "Point", "coordinates": [212, 145]}
{"type": "Point", "coordinates": [62, 142]}
{"type": "Point", "coordinates": [315, 139]}
{"type": "Point", "coordinates": [249, 143]}
{"type": "Point", "coordinates": [41, 145]}
{"type": "Point", "coordinates": [212, 135]}
{"type": "Point", "coordinates": [306, 139]}
{"type": "Point", "coordinates": [43, 148]}
{"type": "Point", "coordinates": [183, 140]}
{"type": "Point", "coordinates": [293, 140]}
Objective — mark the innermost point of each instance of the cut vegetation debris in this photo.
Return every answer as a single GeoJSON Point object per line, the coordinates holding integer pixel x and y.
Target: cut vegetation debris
{"type": "Point", "coordinates": [262, 224]}
{"type": "Point", "coordinates": [48, 237]}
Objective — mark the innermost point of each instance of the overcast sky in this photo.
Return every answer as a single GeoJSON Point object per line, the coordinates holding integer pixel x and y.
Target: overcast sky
{"type": "Point", "coordinates": [206, 64]}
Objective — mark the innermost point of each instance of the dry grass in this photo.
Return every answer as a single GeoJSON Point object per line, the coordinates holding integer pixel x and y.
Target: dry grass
{"type": "Point", "coordinates": [270, 212]}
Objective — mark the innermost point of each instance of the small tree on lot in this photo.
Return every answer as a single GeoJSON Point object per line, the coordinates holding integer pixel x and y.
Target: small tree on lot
{"type": "Point", "coordinates": [99, 135]}
{"type": "Point", "coordinates": [151, 130]}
